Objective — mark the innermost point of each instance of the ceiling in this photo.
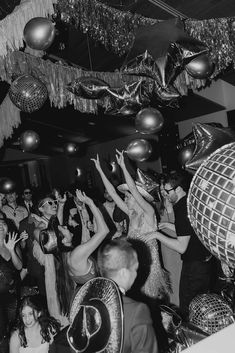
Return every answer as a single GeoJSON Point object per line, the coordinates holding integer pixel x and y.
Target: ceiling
{"type": "Point", "coordinates": [57, 127]}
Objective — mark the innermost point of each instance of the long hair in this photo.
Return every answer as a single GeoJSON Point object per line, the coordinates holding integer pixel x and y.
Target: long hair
{"type": "Point", "coordinates": [64, 283]}
{"type": "Point", "coordinates": [48, 325]}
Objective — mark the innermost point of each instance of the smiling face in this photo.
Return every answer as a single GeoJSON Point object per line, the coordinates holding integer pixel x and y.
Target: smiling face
{"type": "Point", "coordinates": [48, 207]}
{"type": "Point", "coordinates": [29, 316]}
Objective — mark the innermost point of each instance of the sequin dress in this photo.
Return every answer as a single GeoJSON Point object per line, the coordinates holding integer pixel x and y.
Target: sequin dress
{"type": "Point", "coordinates": [153, 279]}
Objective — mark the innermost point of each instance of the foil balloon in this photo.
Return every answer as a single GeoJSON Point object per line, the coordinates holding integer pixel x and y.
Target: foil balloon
{"type": "Point", "coordinates": [29, 140]}
{"type": "Point", "coordinates": [149, 121]}
{"type": "Point", "coordinates": [185, 154]}
{"type": "Point", "coordinates": [208, 138]}
{"type": "Point", "coordinates": [28, 93]}
{"type": "Point", "coordinates": [39, 33]}
{"type": "Point", "coordinates": [88, 87]}
{"type": "Point", "coordinates": [7, 185]}
{"type": "Point", "coordinates": [139, 150]}
{"type": "Point", "coordinates": [201, 67]}
{"type": "Point", "coordinates": [211, 203]}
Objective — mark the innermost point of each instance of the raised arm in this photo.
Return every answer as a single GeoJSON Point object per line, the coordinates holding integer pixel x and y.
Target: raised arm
{"type": "Point", "coordinates": [146, 206]}
{"type": "Point", "coordinates": [83, 251]}
{"type": "Point", "coordinates": [109, 186]}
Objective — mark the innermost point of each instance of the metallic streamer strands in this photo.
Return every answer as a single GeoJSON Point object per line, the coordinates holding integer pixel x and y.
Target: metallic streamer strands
{"type": "Point", "coordinates": [28, 93]}
{"type": "Point", "coordinates": [210, 313]}
{"type": "Point", "coordinates": [211, 203]}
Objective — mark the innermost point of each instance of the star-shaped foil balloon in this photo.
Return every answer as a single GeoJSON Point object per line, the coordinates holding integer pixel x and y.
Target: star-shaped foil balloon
{"type": "Point", "coordinates": [88, 87]}
{"type": "Point", "coordinates": [208, 139]}
{"type": "Point", "coordinates": [128, 98]}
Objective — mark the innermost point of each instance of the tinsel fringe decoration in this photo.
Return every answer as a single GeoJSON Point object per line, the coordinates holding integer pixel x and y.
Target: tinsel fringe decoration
{"type": "Point", "coordinates": [57, 76]}
{"type": "Point", "coordinates": [9, 119]}
{"type": "Point", "coordinates": [115, 29]}
{"type": "Point", "coordinates": [12, 26]}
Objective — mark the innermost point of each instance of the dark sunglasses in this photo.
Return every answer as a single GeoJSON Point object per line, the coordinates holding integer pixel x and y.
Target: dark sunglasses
{"type": "Point", "coordinates": [168, 190]}
{"type": "Point", "coordinates": [27, 192]}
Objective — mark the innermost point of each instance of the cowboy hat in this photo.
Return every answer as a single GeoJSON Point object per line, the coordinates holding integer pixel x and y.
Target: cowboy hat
{"type": "Point", "coordinates": [145, 185]}
{"type": "Point", "coordinates": [96, 318]}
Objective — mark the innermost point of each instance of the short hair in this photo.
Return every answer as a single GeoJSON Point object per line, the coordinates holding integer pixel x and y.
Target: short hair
{"type": "Point", "coordinates": [115, 255]}
{"type": "Point", "coordinates": [179, 178]}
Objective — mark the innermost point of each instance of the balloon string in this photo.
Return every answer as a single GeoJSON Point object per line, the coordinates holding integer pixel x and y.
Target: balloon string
{"type": "Point", "coordinates": [89, 52]}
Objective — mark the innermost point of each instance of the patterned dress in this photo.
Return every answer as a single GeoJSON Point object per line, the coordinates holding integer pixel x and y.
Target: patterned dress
{"type": "Point", "coordinates": [152, 278]}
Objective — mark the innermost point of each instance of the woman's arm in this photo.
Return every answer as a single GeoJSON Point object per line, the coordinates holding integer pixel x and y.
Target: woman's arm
{"type": "Point", "coordinates": [14, 250]}
{"type": "Point", "coordinates": [60, 210]}
{"type": "Point", "coordinates": [146, 206]}
{"type": "Point", "coordinates": [83, 251]}
{"type": "Point", "coordinates": [110, 188]}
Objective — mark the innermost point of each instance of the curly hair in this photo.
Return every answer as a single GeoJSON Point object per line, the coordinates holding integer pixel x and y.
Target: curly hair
{"type": "Point", "coordinates": [49, 325]}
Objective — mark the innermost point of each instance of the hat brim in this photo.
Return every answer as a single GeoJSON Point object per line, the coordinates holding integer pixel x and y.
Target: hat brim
{"type": "Point", "coordinates": [106, 291]}
{"type": "Point", "coordinates": [142, 191]}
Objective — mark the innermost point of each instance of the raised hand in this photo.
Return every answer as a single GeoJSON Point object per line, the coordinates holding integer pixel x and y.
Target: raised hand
{"type": "Point", "coordinates": [82, 197]}
{"type": "Point", "coordinates": [11, 242]}
{"type": "Point", "coordinates": [61, 199]}
{"type": "Point", "coordinates": [23, 236]}
{"type": "Point", "coordinates": [120, 158]}
{"type": "Point", "coordinates": [96, 162]}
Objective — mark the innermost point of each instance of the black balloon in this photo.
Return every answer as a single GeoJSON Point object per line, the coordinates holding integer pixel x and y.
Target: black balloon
{"type": "Point", "coordinates": [7, 185]}
{"type": "Point", "coordinates": [201, 67]}
{"type": "Point", "coordinates": [208, 139]}
{"type": "Point", "coordinates": [149, 121]}
{"type": "Point", "coordinates": [139, 150]}
{"type": "Point", "coordinates": [88, 87]}
{"type": "Point", "coordinates": [39, 33]}
{"type": "Point", "coordinates": [185, 154]}
{"type": "Point", "coordinates": [70, 148]}
{"type": "Point", "coordinates": [29, 140]}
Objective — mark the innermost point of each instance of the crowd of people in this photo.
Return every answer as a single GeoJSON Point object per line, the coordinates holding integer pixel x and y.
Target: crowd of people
{"type": "Point", "coordinates": [140, 238]}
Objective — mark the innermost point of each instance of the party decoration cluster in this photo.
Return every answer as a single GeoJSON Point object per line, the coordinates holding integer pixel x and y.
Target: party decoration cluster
{"type": "Point", "coordinates": [210, 312]}
{"type": "Point", "coordinates": [211, 203]}
{"type": "Point", "coordinates": [28, 93]}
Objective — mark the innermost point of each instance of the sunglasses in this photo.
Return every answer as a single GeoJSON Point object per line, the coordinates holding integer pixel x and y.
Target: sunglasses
{"type": "Point", "coordinates": [50, 203]}
{"type": "Point", "coordinates": [27, 192]}
{"type": "Point", "coordinates": [168, 190]}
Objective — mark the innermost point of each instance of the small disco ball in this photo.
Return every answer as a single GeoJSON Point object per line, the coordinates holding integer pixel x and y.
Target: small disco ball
{"type": "Point", "coordinates": [211, 203]}
{"type": "Point", "coordinates": [210, 312]}
{"type": "Point", "coordinates": [28, 93]}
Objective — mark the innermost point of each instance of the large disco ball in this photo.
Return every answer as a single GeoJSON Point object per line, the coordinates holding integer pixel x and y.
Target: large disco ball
{"type": "Point", "coordinates": [29, 140]}
{"type": "Point", "coordinates": [139, 150]}
{"type": "Point", "coordinates": [211, 203]}
{"type": "Point", "coordinates": [28, 93]}
{"type": "Point", "coordinates": [149, 121]}
{"type": "Point", "coordinates": [210, 312]}
{"type": "Point", "coordinates": [39, 33]}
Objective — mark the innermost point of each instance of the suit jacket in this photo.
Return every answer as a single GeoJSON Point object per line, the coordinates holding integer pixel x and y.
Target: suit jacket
{"type": "Point", "coordinates": [139, 335]}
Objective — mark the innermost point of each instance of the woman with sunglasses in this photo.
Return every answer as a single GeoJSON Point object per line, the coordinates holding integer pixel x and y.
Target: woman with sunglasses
{"type": "Point", "coordinates": [10, 266]}
{"type": "Point", "coordinates": [50, 215]}
{"type": "Point", "coordinates": [34, 330]}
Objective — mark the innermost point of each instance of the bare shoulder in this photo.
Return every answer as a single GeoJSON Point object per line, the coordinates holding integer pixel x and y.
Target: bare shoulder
{"type": "Point", "coordinates": [14, 342]}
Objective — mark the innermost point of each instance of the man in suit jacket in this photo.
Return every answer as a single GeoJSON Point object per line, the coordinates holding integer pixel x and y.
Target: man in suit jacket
{"type": "Point", "coordinates": [118, 261]}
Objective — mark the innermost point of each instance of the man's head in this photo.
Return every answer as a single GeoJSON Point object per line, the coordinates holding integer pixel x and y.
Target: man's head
{"type": "Point", "coordinates": [176, 186]}
{"type": "Point", "coordinates": [11, 197]}
{"type": "Point", "coordinates": [118, 261]}
{"type": "Point", "coordinates": [27, 195]}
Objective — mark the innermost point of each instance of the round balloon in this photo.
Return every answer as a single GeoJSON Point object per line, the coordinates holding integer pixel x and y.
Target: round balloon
{"type": "Point", "coordinates": [29, 140]}
{"type": "Point", "coordinates": [185, 154]}
{"type": "Point", "coordinates": [70, 148]}
{"type": "Point", "coordinates": [139, 150]}
{"type": "Point", "coordinates": [39, 33]}
{"type": "Point", "coordinates": [28, 93]}
{"type": "Point", "coordinates": [149, 121]}
{"type": "Point", "coordinates": [7, 185]}
{"type": "Point", "coordinates": [210, 313]}
{"type": "Point", "coordinates": [201, 67]}
{"type": "Point", "coordinates": [211, 203]}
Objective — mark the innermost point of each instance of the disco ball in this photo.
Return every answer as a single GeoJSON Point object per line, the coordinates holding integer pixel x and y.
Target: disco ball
{"type": "Point", "coordinates": [211, 203]}
{"type": "Point", "coordinates": [210, 312]}
{"type": "Point", "coordinates": [28, 93]}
